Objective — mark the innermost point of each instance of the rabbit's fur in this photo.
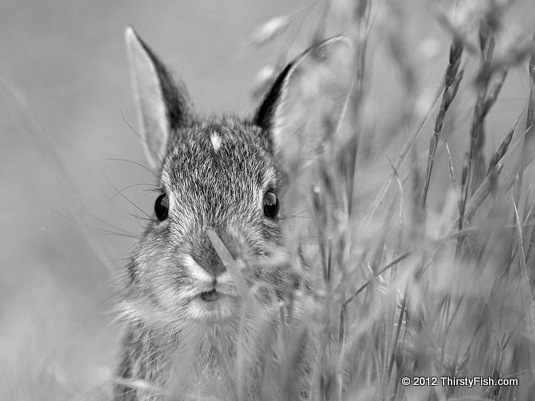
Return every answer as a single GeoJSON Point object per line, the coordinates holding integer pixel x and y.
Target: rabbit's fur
{"type": "Point", "coordinates": [186, 317]}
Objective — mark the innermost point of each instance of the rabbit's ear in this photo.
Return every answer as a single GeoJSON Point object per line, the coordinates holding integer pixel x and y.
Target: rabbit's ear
{"type": "Point", "coordinates": [162, 104]}
{"type": "Point", "coordinates": [307, 100]}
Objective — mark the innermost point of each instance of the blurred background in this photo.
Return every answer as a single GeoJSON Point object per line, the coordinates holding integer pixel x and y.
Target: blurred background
{"type": "Point", "coordinates": [73, 189]}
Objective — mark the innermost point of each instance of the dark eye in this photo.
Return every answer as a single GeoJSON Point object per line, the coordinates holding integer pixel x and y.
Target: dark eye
{"type": "Point", "coordinates": [161, 207]}
{"type": "Point", "coordinates": [271, 205]}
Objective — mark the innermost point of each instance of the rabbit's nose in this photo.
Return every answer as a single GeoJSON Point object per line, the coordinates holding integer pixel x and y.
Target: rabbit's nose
{"type": "Point", "coordinates": [210, 262]}
{"type": "Point", "coordinates": [198, 270]}
{"type": "Point", "coordinates": [208, 254]}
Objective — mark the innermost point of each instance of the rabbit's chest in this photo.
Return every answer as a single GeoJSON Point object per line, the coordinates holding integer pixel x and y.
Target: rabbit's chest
{"type": "Point", "coordinates": [217, 371]}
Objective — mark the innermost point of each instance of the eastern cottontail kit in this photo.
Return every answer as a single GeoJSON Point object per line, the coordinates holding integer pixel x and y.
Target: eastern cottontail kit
{"type": "Point", "coordinates": [190, 315]}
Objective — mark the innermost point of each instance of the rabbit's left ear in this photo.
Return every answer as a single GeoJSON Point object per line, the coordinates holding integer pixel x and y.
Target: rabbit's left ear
{"type": "Point", "coordinates": [163, 104]}
{"type": "Point", "coordinates": [307, 100]}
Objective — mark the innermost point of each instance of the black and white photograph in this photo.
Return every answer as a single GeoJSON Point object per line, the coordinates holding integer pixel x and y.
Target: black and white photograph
{"type": "Point", "coordinates": [298, 200]}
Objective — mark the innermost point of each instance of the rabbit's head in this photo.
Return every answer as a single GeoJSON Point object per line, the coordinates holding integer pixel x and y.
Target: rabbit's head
{"type": "Point", "coordinates": [223, 179]}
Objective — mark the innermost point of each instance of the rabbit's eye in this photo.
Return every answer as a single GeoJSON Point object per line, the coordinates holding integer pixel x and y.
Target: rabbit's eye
{"type": "Point", "coordinates": [161, 207]}
{"type": "Point", "coordinates": [271, 205]}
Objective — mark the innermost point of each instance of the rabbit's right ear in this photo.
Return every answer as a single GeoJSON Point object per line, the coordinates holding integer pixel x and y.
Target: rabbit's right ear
{"type": "Point", "coordinates": [307, 101]}
{"type": "Point", "coordinates": [162, 105]}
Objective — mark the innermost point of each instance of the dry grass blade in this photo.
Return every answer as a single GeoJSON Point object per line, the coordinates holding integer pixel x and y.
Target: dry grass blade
{"type": "Point", "coordinates": [531, 69]}
{"type": "Point", "coordinates": [140, 384]}
{"type": "Point", "coordinates": [228, 261]}
{"type": "Point", "coordinates": [453, 175]}
{"type": "Point", "coordinates": [529, 221]}
{"type": "Point", "coordinates": [484, 102]}
{"type": "Point", "coordinates": [495, 91]}
{"type": "Point", "coordinates": [291, 361]}
{"type": "Point", "coordinates": [488, 184]}
{"type": "Point", "coordinates": [391, 319]}
{"type": "Point", "coordinates": [503, 146]}
{"type": "Point", "coordinates": [528, 152]}
{"type": "Point", "coordinates": [360, 39]}
{"type": "Point", "coordinates": [486, 187]}
{"type": "Point", "coordinates": [223, 360]}
{"type": "Point", "coordinates": [512, 148]}
{"type": "Point", "coordinates": [452, 80]}
{"type": "Point", "coordinates": [449, 324]}
{"type": "Point", "coordinates": [527, 297]}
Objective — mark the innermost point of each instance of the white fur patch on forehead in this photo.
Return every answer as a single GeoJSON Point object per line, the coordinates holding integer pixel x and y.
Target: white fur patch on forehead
{"type": "Point", "coordinates": [216, 141]}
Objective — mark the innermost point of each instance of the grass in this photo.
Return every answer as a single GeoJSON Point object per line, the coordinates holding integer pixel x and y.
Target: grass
{"type": "Point", "coordinates": [414, 276]}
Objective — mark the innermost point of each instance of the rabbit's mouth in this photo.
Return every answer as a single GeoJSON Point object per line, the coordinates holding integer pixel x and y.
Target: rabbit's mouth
{"type": "Point", "coordinates": [213, 306]}
{"type": "Point", "coordinates": [210, 296]}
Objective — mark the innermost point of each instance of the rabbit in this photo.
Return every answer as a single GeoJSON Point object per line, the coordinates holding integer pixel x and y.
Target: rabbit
{"type": "Point", "coordinates": [188, 304]}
